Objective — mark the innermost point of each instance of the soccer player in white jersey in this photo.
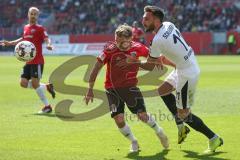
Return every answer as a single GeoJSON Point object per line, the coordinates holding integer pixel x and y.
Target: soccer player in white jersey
{"type": "Point", "coordinates": [169, 43]}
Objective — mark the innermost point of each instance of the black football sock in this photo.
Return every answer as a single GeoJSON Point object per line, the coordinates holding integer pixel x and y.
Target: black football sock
{"type": "Point", "coordinates": [170, 102]}
{"type": "Point", "coordinates": [197, 124]}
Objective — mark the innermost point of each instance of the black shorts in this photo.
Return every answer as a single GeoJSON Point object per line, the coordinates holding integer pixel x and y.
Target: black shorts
{"type": "Point", "coordinates": [32, 70]}
{"type": "Point", "coordinates": [131, 96]}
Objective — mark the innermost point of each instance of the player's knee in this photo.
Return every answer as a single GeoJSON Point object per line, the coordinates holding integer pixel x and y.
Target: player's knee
{"type": "Point", "coordinates": [119, 120]}
{"type": "Point", "coordinates": [160, 91]}
{"type": "Point", "coordinates": [35, 85]}
{"type": "Point", "coordinates": [24, 84]}
{"type": "Point", "coordinates": [182, 116]}
{"type": "Point", "coordinates": [143, 116]}
{"type": "Point", "coordinates": [183, 113]}
{"type": "Point", "coordinates": [197, 122]}
{"type": "Point", "coordinates": [165, 89]}
{"type": "Point", "coordinates": [120, 124]}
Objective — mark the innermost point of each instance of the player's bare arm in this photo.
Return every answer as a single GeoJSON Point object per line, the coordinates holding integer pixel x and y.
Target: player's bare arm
{"type": "Point", "coordinates": [49, 44]}
{"type": "Point", "coordinates": [150, 63]}
{"type": "Point", "coordinates": [125, 62]}
{"type": "Point", "coordinates": [89, 95]}
{"type": "Point", "coordinates": [166, 61]}
{"type": "Point", "coordinates": [10, 43]}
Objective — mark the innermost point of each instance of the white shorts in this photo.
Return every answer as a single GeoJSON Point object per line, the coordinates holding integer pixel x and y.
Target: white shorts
{"type": "Point", "coordinates": [185, 88]}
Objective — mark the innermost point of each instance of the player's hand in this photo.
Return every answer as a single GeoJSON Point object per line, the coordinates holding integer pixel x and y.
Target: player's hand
{"type": "Point", "coordinates": [165, 61]}
{"type": "Point", "coordinates": [89, 96]}
{"type": "Point", "coordinates": [49, 47]}
{"type": "Point", "coordinates": [159, 64]}
{"type": "Point", "coordinates": [125, 62]}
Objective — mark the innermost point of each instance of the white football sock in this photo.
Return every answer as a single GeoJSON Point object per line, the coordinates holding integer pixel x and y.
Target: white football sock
{"type": "Point", "coordinates": [41, 94]}
{"type": "Point", "coordinates": [43, 85]}
{"type": "Point", "coordinates": [126, 131]}
{"type": "Point", "coordinates": [152, 123]}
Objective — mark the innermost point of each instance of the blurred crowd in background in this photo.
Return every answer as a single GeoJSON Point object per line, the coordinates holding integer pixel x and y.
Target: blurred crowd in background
{"type": "Point", "coordinates": [103, 16]}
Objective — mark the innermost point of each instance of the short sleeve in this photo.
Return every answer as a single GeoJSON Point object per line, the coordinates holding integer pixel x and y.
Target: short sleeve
{"type": "Point", "coordinates": [102, 57]}
{"type": "Point", "coordinates": [45, 34]}
{"type": "Point", "coordinates": [109, 49]}
{"type": "Point", "coordinates": [143, 51]}
{"type": "Point", "coordinates": [155, 49]}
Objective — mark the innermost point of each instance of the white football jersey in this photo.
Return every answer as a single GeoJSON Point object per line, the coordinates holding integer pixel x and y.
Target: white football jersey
{"type": "Point", "coordinates": [169, 42]}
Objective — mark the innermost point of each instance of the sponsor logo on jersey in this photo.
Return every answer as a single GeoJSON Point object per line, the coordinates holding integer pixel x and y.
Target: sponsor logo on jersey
{"type": "Point", "coordinates": [118, 58]}
{"type": "Point", "coordinates": [33, 30]}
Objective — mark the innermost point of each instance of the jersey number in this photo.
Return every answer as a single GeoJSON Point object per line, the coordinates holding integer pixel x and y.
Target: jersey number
{"type": "Point", "coordinates": [180, 39]}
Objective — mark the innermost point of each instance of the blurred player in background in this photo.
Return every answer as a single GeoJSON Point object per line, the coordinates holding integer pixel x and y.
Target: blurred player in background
{"type": "Point", "coordinates": [32, 71]}
{"type": "Point", "coordinates": [169, 43]}
{"type": "Point", "coordinates": [138, 33]}
{"type": "Point", "coordinates": [121, 84]}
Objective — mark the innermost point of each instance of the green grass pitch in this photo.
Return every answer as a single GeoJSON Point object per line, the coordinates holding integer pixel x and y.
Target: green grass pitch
{"type": "Point", "coordinates": [25, 135]}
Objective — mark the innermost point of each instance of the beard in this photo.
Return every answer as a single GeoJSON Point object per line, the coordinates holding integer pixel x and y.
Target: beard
{"type": "Point", "coordinates": [150, 28]}
{"type": "Point", "coordinates": [124, 46]}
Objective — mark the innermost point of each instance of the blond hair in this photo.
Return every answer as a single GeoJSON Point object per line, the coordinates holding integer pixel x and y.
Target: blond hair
{"type": "Point", "coordinates": [33, 8]}
{"type": "Point", "coordinates": [124, 30]}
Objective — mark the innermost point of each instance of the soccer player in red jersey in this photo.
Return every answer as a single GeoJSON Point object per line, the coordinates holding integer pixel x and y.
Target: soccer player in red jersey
{"type": "Point", "coordinates": [32, 71]}
{"type": "Point", "coordinates": [138, 33]}
{"type": "Point", "coordinates": [121, 84]}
